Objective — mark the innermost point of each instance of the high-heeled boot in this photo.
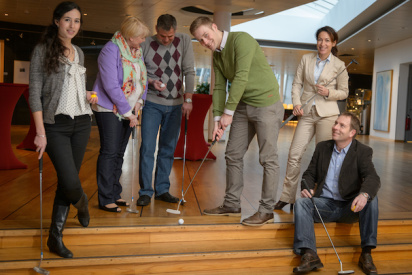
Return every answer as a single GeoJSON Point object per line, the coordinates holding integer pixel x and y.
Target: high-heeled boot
{"type": "Point", "coordinates": [83, 210]}
{"type": "Point", "coordinates": [55, 241]}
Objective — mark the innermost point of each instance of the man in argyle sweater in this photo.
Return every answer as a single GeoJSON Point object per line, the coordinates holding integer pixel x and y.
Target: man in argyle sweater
{"type": "Point", "coordinates": [168, 57]}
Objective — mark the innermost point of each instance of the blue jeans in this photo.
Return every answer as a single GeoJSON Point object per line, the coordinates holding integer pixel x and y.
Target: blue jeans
{"type": "Point", "coordinates": [114, 135]}
{"type": "Point", "coordinates": [333, 211]}
{"type": "Point", "coordinates": [169, 119]}
{"type": "Point", "coordinates": [66, 144]}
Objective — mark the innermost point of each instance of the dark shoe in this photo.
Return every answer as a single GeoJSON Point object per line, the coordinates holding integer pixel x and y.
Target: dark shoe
{"type": "Point", "coordinates": [143, 200]}
{"type": "Point", "coordinates": [280, 204]}
{"type": "Point", "coordinates": [366, 263]}
{"type": "Point", "coordinates": [55, 241]}
{"type": "Point", "coordinates": [122, 203]}
{"type": "Point", "coordinates": [167, 198]}
{"type": "Point", "coordinates": [223, 211]}
{"type": "Point", "coordinates": [308, 262]}
{"type": "Point", "coordinates": [258, 219]}
{"type": "Point", "coordinates": [110, 209]}
{"type": "Point", "coordinates": [83, 210]}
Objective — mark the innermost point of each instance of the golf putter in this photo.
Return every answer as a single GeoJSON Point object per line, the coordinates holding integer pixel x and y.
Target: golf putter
{"type": "Point", "coordinates": [177, 211]}
{"type": "Point", "coordinates": [39, 269]}
{"type": "Point", "coordinates": [132, 206]}
{"type": "Point", "coordinates": [184, 162]}
{"type": "Point", "coordinates": [340, 262]}
{"type": "Point", "coordinates": [307, 101]}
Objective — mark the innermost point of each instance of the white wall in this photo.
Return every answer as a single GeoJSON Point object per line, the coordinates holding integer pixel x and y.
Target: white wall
{"type": "Point", "coordinates": [393, 57]}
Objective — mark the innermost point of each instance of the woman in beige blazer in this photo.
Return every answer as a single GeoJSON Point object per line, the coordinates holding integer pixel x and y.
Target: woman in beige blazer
{"type": "Point", "coordinates": [318, 116]}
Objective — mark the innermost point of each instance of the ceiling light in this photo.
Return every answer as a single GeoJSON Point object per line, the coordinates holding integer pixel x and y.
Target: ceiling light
{"type": "Point", "coordinates": [6, 14]}
{"type": "Point", "coordinates": [369, 40]}
{"type": "Point", "coordinates": [260, 12]}
{"type": "Point", "coordinates": [85, 14]}
{"type": "Point", "coordinates": [353, 49]}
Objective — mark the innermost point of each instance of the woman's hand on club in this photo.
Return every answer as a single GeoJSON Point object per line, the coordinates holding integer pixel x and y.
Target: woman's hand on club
{"type": "Point", "coordinates": [133, 120]}
{"type": "Point", "coordinates": [321, 90]}
{"type": "Point", "coordinates": [41, 142]}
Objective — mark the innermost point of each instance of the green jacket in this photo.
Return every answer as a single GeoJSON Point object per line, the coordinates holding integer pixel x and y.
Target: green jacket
{"type": "Point", "coordinates": [243, 63]}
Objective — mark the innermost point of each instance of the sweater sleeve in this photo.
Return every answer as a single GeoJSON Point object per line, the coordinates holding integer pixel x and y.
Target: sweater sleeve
{"type": "Point", "coordinates": [107, 64]}
{"type": "Point", "coordinates": [243, 61]}
{"type": "Point", "coordinates": [219, 92]}
{"type": "Point", "coordinates": [36, 79]}
{"type": "Point", "coordinates": [188, 64]}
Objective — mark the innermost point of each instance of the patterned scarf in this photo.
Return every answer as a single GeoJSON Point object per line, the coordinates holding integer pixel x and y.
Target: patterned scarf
{"type": "Point", "coordinates": [130, 77]}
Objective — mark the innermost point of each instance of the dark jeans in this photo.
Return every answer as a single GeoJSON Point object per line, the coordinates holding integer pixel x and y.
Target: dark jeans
{"type": "Point", "coordinates": [333, 211]}
{"type": "Point", "coordinates": [169, 119]}
{"type": "Point", "coordinates": [114, 135]}
{"type": "Point", "coordinates": [66, 143]}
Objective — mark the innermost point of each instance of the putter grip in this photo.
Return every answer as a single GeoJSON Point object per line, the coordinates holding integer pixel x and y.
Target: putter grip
{"type": "Point", "coordinates": [133, 132]}
{"type": "Point", "coordinates": [41, 164]}
{"type": "Point", "coordinates": [185, 125]}
{"type": "Point", "coordinates": [307, 188]}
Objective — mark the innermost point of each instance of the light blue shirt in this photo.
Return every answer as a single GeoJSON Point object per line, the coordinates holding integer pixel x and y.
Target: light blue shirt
{"type": "Point", "coordinates": [331, 186]}
{"type": "Point", "coordinates": [320, 64]}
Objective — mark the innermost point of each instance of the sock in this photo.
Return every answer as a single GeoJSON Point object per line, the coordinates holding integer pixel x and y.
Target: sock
{"type": "Point", "coordinates": [308, 250]}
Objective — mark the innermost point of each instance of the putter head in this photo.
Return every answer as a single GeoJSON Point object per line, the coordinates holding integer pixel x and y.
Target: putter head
{"type": "Point", "coordinates": [40, 270]}
{"type": "Point", "coordinates": [346, 272]}
{"type": "Point", "coordinates": [354, 61]}
{"type": "Point", "coordinates": [131, 210]}
{"type": "Point", "coordinates": [173, 211]}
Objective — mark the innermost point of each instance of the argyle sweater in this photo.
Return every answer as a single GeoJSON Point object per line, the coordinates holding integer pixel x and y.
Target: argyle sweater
{"type": "Point", "coordinates": [169, 64]}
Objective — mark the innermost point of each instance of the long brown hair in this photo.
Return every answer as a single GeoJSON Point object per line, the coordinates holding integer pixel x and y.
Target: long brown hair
{"type": "Point", "coordinates": [333, 36]}
{"type": "Point", "coordinates": [53, 44]}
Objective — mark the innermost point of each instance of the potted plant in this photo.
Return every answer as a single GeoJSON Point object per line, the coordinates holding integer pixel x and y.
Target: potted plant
{"type": "Point", "coordinates": [202, 88]}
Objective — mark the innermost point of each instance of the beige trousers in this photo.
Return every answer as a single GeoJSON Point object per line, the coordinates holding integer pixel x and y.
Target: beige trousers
{"type": "Point", "coordinates": [308, 126]}
{"type": "Point", "coordinates": [249, 121]}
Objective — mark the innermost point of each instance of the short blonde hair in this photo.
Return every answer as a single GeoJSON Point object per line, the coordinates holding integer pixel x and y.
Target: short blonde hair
{"type": "Point", "coordinates": [200, 21]}
{"type": "Point", "coordinates": [132, 27]}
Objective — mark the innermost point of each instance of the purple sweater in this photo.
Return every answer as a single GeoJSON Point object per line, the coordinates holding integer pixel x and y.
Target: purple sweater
{"type": "Point", "coordinates": [109, 81]}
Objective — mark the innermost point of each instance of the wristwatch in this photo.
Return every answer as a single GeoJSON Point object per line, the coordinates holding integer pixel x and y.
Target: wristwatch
{"type": "Point", "coordinates": [188, 100]}
{"type": "Point", "coordinates": [366, 195]}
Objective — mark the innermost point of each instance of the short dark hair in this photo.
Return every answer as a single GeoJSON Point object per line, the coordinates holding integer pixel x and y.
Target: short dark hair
{"type": "Point", "coordinates": [166, 22]}
{"type": "Point", "coordinates": [354, 122]}
{"type": "Point", "coordinates": [200, 21]}
{"type": "Point", "coordinates": [333, 36]}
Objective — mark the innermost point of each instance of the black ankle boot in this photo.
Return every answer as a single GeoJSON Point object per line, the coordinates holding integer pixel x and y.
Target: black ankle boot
{"type": "Point", "coordinates": [55, 241]}
{"type": "Point", "coordinates": [83, 210]}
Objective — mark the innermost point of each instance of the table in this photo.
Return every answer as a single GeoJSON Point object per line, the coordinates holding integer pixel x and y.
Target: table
{"type": "Point", "coordinates": [10, 94]}
{"type": "Point", "coordinates": [196, 146]}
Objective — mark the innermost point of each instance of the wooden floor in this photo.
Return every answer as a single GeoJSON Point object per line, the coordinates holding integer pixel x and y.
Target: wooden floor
{"type": "Point", "coordinates": [19, 189]}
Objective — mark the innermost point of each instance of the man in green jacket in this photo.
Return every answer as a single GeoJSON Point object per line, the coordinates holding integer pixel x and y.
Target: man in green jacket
{"type": "Point", "coordinates": [253, 108]}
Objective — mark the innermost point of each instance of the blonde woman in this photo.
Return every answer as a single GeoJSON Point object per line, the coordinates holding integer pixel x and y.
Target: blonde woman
{"type": "Point", "coordinates": [120, 85]}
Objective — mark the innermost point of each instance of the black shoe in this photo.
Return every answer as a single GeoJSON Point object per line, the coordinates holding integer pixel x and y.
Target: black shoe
{"type": "Point", "coordinates": [143, 200]}
{"type": "Point", "coordinates": [366, 263]}
{"type": "Point", "coordinates": [110, 209]}
{"type": "Point", "coordinates": [55, 241]}
{"type": "Point", "coordinates": [167, 198]}
{"type": "Point", "coordinates": [83, 210]}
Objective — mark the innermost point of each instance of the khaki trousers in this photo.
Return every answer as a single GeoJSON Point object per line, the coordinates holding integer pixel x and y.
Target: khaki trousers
{"type": "Point", "coordinates": [308, 126]}
{"type": "Point", "coordinates": [249, 121]}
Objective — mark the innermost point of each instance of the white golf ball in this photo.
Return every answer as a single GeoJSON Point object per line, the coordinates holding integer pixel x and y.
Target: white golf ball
{"type": "Point", "coordinates": [162, 85]}
{"type": "Point", "coordinates": [181, 221]}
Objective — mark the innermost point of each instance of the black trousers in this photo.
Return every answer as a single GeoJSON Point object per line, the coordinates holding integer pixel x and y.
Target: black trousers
{"type": "Point", "coordinates": [66, 144]}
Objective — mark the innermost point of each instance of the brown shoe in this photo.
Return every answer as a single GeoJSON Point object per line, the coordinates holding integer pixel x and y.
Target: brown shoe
{"type": "Point", "coordinates": [223, 211]}
{"type": "Point", "coordinates": [308, 262]}
{"type": "Point", "coordinates": [258, 219]}
{"type": "Point", "coordinates": [366, 263]}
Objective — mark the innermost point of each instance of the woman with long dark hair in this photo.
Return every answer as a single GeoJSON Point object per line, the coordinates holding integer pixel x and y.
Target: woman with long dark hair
{"type": "Point", "coordinates": [62, 115]}
{"type": "Point", "coordinates": [318, 116]}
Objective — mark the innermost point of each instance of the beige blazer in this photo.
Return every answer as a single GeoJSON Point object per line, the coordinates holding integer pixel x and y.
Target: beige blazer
{"type": "Point", "coordinates": [305, 78]}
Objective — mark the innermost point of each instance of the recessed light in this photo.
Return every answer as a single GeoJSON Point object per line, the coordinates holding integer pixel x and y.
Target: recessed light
{"type": "Point", "coordinates": [6, 14]}
{"type": "Point", "coordinates": [353, 49]}
{"type": "Point", "coordinates": [369, 40]}
{"type": "Point", "coordinates": [85, 14]}
{"type": "Point", "coordinates": [260, 12]}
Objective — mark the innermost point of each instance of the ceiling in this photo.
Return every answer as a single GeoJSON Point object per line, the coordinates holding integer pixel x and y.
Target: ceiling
{"type": "Point", "coordinates": [106, 16]}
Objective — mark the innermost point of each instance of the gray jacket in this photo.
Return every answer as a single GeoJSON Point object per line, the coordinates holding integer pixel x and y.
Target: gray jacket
{"type": "Point", "coordinates": [45, 89]}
